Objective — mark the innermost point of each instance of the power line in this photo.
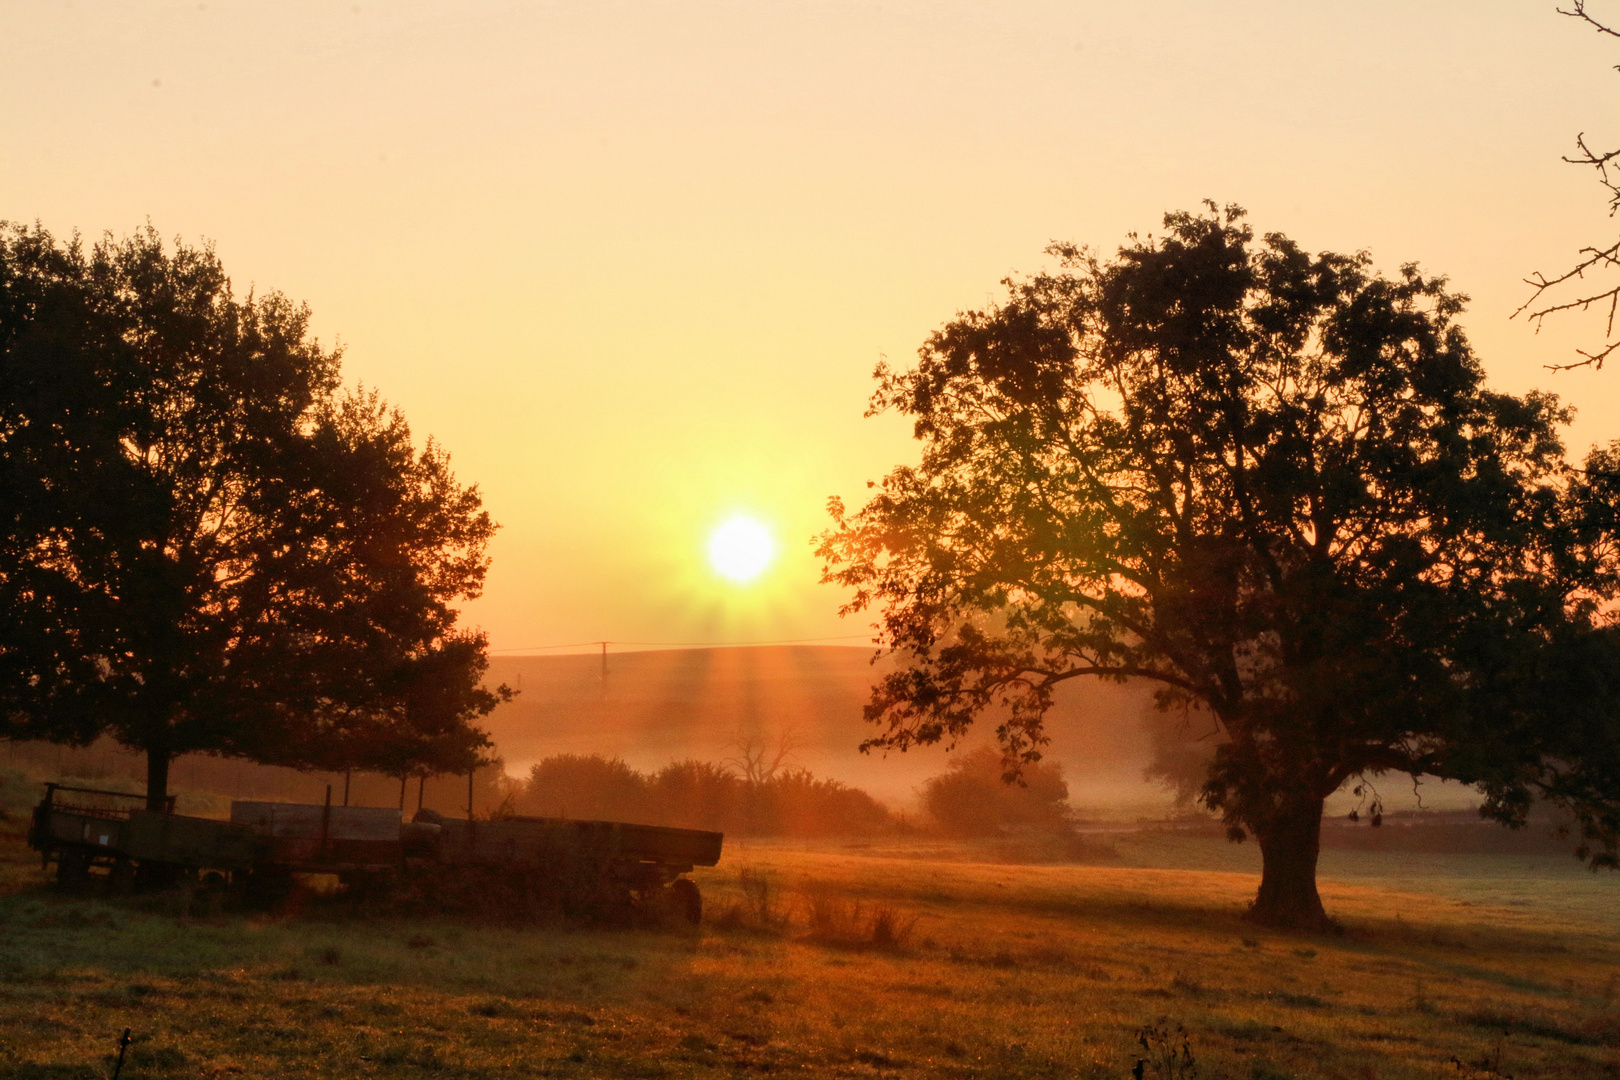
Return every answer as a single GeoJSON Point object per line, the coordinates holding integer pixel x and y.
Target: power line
{"type": "Point", "coordinates": [686, 644]}
{"type": "Point", "coordinates": [545, 648]}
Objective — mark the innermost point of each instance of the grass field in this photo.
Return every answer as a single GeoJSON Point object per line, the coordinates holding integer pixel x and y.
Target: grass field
{"type": "Point", "coordinates": [986, 970]}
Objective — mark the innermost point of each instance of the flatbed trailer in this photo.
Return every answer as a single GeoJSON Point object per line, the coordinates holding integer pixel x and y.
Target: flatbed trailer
{"type": "Point", "coordinates": [590, 866]}
{"type": "Point", "coordinates": [80, 829]}
{"type": "Point", "coordinates": [612, 863]}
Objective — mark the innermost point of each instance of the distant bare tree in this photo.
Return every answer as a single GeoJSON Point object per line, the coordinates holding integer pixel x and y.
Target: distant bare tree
{"type": "Point", "coordinates": [758, 759]}
{"type": "Point", "coordinates": [1575, 289]}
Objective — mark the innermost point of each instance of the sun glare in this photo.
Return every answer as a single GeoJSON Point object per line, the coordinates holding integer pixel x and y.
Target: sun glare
{"type": "Point", "coordinates": [741, 548]}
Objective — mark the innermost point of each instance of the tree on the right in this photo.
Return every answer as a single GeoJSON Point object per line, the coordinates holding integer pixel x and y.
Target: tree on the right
{"type": "Point", "coordinates": [1588, 284]}
{"type": "Point", "coordinates": [1275, 485]}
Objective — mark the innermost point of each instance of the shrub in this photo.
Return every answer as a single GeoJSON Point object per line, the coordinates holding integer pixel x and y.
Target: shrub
{"type": "Point", "coordinates": [795, 803]}
{"type": "Point", "coordinates": [972, 799]}
{"type": "Point", "coordinates": [835, 919]}
{"type": "Point", "coordinates": [699, 795]}
{"type": "Point", "coordinates": [584, 787]}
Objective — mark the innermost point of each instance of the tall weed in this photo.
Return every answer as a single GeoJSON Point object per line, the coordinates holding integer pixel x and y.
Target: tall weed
{"type": "Point", "coordinates": [760, 907]}
{"type": "Point", "coordinates": [1169, 1053]}
{"type": "Point", "coordinates": [835, 919]}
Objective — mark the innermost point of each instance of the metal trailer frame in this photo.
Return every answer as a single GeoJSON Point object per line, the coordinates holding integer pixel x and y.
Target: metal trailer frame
{"type": "Point", "coordinates": [605, 863]}
{"type": "Point", "coordinates": [130, 841]}
{"type": "Point", "coordinates": [608, 864]}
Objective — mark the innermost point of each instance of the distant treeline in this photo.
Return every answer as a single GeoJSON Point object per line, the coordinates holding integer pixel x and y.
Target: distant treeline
{"type": "Point", "coordinates": [968, 800]}
{"type": "Point", "coordinates": [699, 795]}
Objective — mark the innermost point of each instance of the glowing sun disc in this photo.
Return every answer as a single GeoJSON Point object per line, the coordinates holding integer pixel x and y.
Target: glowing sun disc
{"type": "Point", "coordinates": [740, 549]}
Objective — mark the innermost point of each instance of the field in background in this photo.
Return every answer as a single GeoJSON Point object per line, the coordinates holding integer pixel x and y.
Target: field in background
{"type": "Point", "coordinates": [879, 960]}
{"type": "Point", "coordinates": [658, 706]}
{"type": "Point", "coordinates": [655, 707]}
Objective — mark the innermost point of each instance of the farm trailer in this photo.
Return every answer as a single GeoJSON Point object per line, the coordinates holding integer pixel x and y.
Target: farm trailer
{"type": "Point", "coordinates": [581, 866]}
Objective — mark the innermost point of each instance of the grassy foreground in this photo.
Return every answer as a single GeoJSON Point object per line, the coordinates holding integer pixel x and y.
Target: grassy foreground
{"type": "Point", "coordinates": [987, 970]}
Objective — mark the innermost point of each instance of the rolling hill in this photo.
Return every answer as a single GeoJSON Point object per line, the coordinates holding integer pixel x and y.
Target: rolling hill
{"type": "Point", "coordinates": [656, 706]}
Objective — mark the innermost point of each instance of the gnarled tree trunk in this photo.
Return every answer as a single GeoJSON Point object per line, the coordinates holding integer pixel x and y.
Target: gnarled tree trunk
{"type": "Point", "coordinates": [1290, 840]}
{"type": "Point", "coordinates": [157, 778]}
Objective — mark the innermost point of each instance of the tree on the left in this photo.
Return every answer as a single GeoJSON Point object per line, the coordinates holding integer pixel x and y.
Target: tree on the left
{"type": "Point", "coordinates": [209, 545]}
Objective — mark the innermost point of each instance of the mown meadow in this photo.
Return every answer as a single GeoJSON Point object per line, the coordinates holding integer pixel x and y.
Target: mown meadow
{"type": "Point", "coordinates": [897, 961]}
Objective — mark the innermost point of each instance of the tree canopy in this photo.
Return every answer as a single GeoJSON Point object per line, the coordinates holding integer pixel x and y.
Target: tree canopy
{"type": "Point", "coordinates": [1275, 485]}
{"type": "Point", "coordinates": [210, 545]}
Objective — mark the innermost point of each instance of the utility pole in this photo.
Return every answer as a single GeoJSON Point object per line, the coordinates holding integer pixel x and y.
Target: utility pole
{"type": "Point", "coordinates": [604, 660]}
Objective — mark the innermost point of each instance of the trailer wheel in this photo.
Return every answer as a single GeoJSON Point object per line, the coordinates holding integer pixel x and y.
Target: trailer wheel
{"type": "Point", "coordinates": [686, 899]}
{"type": "Point", "coordinates": [72, 871]}
{"type": "Point", "coordinates": [268, 886]}
{"type": "Point", "coordinates": [155, 876]}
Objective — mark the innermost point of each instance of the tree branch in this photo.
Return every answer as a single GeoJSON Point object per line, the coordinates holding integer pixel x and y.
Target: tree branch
{"type": "Point", "coordinates": [1591, 258]}
{"type": "Point", "coordinates": [1579, 12]}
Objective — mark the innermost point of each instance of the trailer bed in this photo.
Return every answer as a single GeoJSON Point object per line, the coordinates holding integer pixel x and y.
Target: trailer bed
{"type": "Point", "coordinates": [539, 840]}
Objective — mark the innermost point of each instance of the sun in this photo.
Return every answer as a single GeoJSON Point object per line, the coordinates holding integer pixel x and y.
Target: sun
{"type": "Point", "coordinates": [741, 548]}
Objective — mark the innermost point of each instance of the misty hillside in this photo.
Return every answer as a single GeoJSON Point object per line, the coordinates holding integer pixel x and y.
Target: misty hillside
{"type": "Point", "coordinates": [658, 706]}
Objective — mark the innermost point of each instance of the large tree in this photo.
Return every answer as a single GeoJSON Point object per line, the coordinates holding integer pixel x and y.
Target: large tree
{"type": "Point", "coordinates": [210, 545]}
{"type": "Point", "coordinates": [1275, 485]}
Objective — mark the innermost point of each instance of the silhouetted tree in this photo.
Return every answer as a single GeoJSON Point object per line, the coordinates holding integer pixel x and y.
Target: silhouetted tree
{"type": "Point", "coordinates": [757, 759]}
{"type": "Point", "coordinates": [1274, 484]}
{"type": "Point", "coordinates": [209, 546]}
{"type": "Point", "coordinates": [59, 400]}
{"type": "Point", "coordinates": [1581, 288]}
{"type": "Point", "coordinates": [586, 787]}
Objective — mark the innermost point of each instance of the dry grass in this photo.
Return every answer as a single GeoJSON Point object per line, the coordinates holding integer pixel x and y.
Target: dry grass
{"type": "Point", "coordinates": [833, 918]}
{"type": "Point", "coordinates": [1007, 971]}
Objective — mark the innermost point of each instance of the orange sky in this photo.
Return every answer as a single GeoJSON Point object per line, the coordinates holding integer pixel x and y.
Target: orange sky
{"type": "Point", "coordinates": [633, 263]}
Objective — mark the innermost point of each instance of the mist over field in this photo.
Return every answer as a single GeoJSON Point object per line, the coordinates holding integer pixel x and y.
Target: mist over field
{"type": "Point", "coordinates": [659, 706]}
{"type": "Point", "coordinates": [1118, 754]}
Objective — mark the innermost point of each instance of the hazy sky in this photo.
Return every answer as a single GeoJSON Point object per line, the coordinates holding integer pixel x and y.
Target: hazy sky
{"type": "Point", "coordinates": [633, 263]}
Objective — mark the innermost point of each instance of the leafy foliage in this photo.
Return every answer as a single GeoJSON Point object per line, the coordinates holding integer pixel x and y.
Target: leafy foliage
{"type": "Point", "coordinates": [970, 798]}
{"type": "Point", "coordinates": [699, 794]}
{"type": "Point", "coordinates": [209, 546]}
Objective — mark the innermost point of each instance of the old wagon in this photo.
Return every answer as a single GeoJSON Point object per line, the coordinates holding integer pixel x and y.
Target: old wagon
{"type": "Point", "coordinates": [605, 863]}
{"type": "Point", "coordinates": [595, 868]}
{"type": "Point", "coordinates": [81, 829]}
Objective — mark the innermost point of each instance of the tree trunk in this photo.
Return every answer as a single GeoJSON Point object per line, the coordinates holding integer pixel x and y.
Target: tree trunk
{"type": "Point", "coordinates": [1289, 844]}
{"type": "Point", "coordinates": [157, 778]}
